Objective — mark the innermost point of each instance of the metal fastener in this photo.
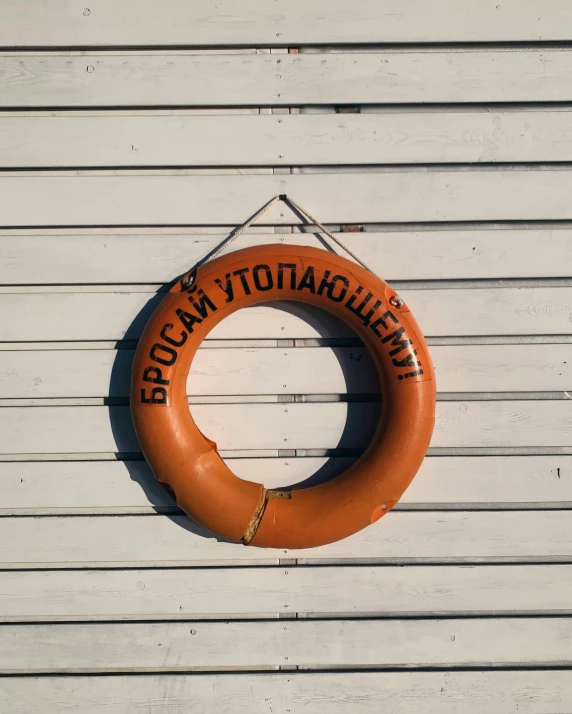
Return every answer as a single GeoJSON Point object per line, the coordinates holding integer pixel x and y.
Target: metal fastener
{"type": "Point", "coordinates": [188, 280]}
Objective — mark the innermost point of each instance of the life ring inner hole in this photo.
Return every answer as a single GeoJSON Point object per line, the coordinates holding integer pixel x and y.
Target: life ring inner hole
{"type": "Point", "coordinates": [306, 405]}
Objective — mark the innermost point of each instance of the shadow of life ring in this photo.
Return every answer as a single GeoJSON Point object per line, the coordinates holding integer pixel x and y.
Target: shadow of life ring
{"type": "Point", "coordinates": [181, 456]}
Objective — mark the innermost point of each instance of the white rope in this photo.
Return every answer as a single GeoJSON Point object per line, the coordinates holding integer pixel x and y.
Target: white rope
{"type": "Point", "coordinates": [243, 227]}
{"type": "Point", "coordinates": [287, 199]}
{"type": "Point", "coordinates": [316, 222]}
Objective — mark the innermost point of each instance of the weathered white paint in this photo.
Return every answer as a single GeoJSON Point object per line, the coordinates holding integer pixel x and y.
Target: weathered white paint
{"type": "Point", "coordinates": [284, 370]}
{"type": "Point", "coordinates": [179, 198]}
{"type": "Point", "coordinates": [440, 312]}
{"type": "Point", "coordinates": [404, 537]}
{"type": "Point", "coordinates": [234, 593]}
{"type": "Point", "coordinates": [487, 559]}
{"type": "Point", "coordinates": [186, 79]}
{"type": "Point", "coordinates": [176, 139]}
{"type": "Point", "coordinates": [501, 692]}
{"type": "Point", "coordinates": [252, 22]}
{"type": "Point", "coordinates": [313, 425]}
{"type": "Point", "coordinates": [118, 256]}
{"type": "Point", "coordinates": [92, 487]}
{"type": "Point", "coordinates": [184, 646]}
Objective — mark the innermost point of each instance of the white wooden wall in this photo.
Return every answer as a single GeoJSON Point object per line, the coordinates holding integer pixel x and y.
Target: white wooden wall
{"type": "Point", "coordinates": [133, 137]}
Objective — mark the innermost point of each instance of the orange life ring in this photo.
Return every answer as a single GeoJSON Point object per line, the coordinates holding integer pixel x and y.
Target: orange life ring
{"type": "Point", "coordinates": [182, 457]}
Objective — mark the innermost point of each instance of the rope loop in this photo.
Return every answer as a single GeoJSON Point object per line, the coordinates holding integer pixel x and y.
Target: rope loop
{"type": "Point", "coordinates": [286, 199]}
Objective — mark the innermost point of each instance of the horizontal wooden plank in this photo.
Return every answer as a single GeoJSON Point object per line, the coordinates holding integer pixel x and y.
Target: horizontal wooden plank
{"type": "Point", "coordinates": [277, 591]}
{"type": "Point", "coordinates": [313, 425]}
{"type": "Point", "coordinates": [47, 429]}
{"type": "Point", "coordinates": [169, 139]}
{"type": "Point", "coordinates": [501, 692]}
{"type": "Point", "coordinates": [266, 371]}
{"type": "Point", "coordinates": [402, 537]}
{"type": "Point", "coordinates": [178, 198]}
{"type": "Point", "coordinates": [121, 257]}
{"type": "Point", "coordinates": [180, 647]}
{"type": "Point", "coordinates": [92, 487]}
{"type": "Point", "coordinates": [251, 22]}
{"type": "Point", "coordinates": [187, 79]}
{"type": "Point", "coordinates": [78, 316]}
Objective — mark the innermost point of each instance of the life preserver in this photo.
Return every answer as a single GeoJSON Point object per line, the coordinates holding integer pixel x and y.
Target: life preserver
{"type": "Point", "coordinates": [181, 456]}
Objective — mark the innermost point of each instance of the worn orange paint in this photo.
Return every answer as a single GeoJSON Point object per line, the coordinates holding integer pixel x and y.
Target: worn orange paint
{"type": "Point", "coordinates": [181, 456]}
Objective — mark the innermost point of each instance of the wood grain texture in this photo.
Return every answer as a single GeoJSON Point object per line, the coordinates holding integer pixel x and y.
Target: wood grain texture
{"type": "Point", "coordinates": [96, 581]}
{"type": "Point", "coordinates": [186, 79]}
{"type": "Point", "coordinates": [92, 487]}
{"type": "Point", "coordinates": [175, 541]}
{"type": "Point", "coordinates": [178, 198]}
{"type": "Point", "coordinates": [503, 692]}
{"type": "Point", "coordinates": [117, 256]}
{"type": "Point", "coordinates": [250, 22]}
{"type": "Point", "coordinates": [235, 593]}
{"type": "Point", "coordinates": [180, 647]}
{"type": "Point", "coordinates": [269, 371]}
{"type": "Point", "coordinates": [87, 316]}
{"type": "Point", "coordinates": [313, 425]}
{"type": "Point", "coordinates": [176, 139]}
